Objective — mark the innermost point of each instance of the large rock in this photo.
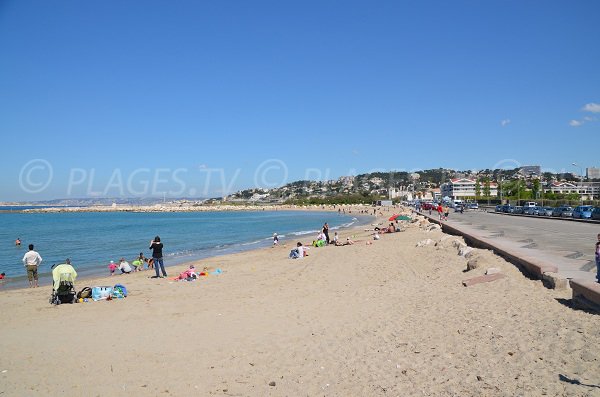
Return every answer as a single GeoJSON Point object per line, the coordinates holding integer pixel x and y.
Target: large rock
{"type": "Point", "coordinates": [425, 242]}
{"type": "Point", "coordinates": [474, 263]}
{"type": "Point", "coordinates": [465, 251]}
{"type": "Point", "coordinates": [432, 226]}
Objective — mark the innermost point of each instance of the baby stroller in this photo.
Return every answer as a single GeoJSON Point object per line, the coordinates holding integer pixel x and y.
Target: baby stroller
{"type": "Point", "coordinates": [63, 289]}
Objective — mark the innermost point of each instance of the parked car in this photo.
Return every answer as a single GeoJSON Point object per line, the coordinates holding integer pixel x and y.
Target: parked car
{"type": "Point", "coordinates": [545, 211]}
{"type": "Point", "coordinates": [473, 206]}
{"type": "Point", "coordinates": [596, 213]}
{"type": "Point", "coordinates": [517, 210]}
{"type": "Point", "coordinates": [507, 208]}
{"type": "Point", "coordinates": [536, 210]}
{"type": "Point", "coordinates": [530, 210]}
{"type": "Point", "coordinates": [499, 208]}
{"type": "Point", "coordinates": [563, 211]}
{"type": "Point", "coordinates": [583, 212]}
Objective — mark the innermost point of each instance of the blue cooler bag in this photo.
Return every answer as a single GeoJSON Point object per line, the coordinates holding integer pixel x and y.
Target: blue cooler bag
{"type": "Point", "coordinates": [100, 293]}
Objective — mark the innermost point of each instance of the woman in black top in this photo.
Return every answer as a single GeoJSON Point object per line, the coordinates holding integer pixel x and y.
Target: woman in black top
{"type": "Point", "coordinates": [156, 246]}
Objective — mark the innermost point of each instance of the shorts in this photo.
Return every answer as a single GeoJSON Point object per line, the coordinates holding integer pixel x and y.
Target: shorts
{"type": "Point", "coordinates": [446, 214]}
{"type": "Point", "coordinates": [32, 272]}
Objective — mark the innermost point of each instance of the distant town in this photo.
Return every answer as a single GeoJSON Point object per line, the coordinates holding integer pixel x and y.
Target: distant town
{"type": "Point", "coordinates": [493, 186]}
{"type": "Point", "coordinates": [524, 183]}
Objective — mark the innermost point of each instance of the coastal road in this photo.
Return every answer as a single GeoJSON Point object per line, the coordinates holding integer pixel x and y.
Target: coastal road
{"type": "Point", "coordinates": [568, 245]}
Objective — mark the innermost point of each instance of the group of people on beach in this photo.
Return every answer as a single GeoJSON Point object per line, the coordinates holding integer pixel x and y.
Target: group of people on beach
{"type": "Point", "coordinates": [32, 261]}
{"type": "Point", "coordinates": [321, 240]}
{"type": "Point", "coordinates": [137, 265]}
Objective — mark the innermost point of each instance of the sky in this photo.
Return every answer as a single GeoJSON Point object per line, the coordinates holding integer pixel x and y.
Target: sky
{"type": "Point", "coordinates": [197, 98]}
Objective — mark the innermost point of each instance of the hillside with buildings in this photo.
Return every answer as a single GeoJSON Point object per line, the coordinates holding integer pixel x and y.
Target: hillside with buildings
{"type": "Point", "coordinates": [527, 182]}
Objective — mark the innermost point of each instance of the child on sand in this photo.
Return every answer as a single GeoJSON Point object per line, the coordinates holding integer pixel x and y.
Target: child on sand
{"type": "Point", "coordinates": [150, 263]}
{"type": "Point", "coordinates": [275, 239]}
{"type": "Point", "coordinates": [112, 266]}
{"type": "Point", "coordinates": [137, 265]}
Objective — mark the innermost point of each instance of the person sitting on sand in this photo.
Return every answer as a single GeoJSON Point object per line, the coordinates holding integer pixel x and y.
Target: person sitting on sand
{"type": "Point", "coordinates": [124, 266]}
{"type": "Point", "coordinates": [298, 252]}
{"type": "Point", "coordinates": [335, 239]}
{"type": "Point", "coordinates": [112, 266]}
{"type": "Point", "coordinates": [348, 241]}
{"type": "Point", "coordinates": [189, 274]}
{"type": "Point", "coordinates": [391, 228]}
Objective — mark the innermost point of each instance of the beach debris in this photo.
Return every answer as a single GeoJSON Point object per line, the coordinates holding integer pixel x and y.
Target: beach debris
{"type": "Point", "coordinates": [4, 371]}
{"type": "Point", "coordinates": [425, 242]}
{"type": "Point", "coordinates": [272, 383]}
{"type": "Point", "coordinates": [492, 270]}
{"type": "Point", "coordinates": [482, 279]}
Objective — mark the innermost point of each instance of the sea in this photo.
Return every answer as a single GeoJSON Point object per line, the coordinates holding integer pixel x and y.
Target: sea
{"type": "Point", "coordinates": [92, 239]}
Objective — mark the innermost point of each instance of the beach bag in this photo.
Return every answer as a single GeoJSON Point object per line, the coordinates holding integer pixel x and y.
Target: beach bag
{"type": "Point", "coordinates": [100, 293]}
{"type": "Point", "coordinates": [85, 293]}
{"type": "Point", "coordinates": [119, 291]}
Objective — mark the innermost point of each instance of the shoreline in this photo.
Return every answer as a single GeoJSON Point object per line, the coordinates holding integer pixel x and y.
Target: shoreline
{"type": "Point", "coordinates": [90, 274]}
{"type": "Point", "coordinates": [186, 208]}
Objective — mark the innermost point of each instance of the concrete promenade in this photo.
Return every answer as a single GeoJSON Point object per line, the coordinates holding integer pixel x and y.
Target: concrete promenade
{"type": "Point", "coordinates": [558, 252]}
{"type": "Point", "coordinates": [567, 246]}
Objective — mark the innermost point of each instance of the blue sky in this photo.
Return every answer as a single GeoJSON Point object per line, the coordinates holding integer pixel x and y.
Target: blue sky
{"type": "Point", "coordinates": [193, 98]}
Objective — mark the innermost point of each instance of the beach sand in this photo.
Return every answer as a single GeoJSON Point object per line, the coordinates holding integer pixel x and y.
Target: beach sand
{"type": "Point", "coordinates": [387, 319]}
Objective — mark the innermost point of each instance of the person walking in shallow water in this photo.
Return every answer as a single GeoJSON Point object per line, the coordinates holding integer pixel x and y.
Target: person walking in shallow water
{"type": "Point", "coordinates": [156, 246]}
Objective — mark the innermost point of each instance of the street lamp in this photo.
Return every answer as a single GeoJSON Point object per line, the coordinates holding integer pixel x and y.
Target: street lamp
{"type": "Point", "coordinates": [580, 169]}
{"type": "Point", "coordinates": [580, 179]}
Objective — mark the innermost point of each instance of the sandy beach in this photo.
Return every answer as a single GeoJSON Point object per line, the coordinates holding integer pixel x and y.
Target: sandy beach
{"type": "Point", "coordinates": [386, 319]}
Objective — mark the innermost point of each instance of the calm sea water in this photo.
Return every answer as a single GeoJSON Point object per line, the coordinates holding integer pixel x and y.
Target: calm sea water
{"type": "Point", "coordinates": [92, 240]}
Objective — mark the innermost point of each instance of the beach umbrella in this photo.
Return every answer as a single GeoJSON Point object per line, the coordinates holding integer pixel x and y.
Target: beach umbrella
{"type": "Point", "coordinates": [393, 217]}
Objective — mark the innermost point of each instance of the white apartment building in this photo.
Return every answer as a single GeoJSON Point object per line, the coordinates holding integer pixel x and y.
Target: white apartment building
{"type": "Point", "coordinates": [464, 187]}
{"type": "Point", "coordinates": [585, 189]}
{"type": "Point", "coordinates": [592, 173]}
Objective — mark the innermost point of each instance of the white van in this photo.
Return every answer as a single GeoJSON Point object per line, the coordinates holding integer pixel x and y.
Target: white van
{"type": "Point", "coordinates": [530, 204]}
{"type": "Point", "coordinates": [457, 203]}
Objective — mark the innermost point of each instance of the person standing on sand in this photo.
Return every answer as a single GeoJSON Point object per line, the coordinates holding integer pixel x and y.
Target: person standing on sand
{"type": "Point", "coordinates": [156, 246]}
{"type": "Point", "coordinates": [446, 212]}
{"type": "Point", "coordinates": [326, 232]}
{"type": "Point", "coordinates": [32, 260]}
{"type": "Point", "coordinates": [598, 259]}
{"type": "Point", "coordinates": [440, 211]}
